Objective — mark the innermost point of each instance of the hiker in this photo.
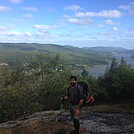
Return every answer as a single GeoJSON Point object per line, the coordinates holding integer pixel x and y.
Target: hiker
{"type": "Point", "coordinates": [75, 97]}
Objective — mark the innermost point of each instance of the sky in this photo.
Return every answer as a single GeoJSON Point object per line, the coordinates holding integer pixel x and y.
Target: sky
{"type": "Point", "coordinates": [80, 23]}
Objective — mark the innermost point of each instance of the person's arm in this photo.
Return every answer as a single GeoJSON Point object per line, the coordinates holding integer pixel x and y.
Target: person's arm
{"type": "Point", "coordinates": [65, 97]}
{"type": "Point", "coordinates": [80, 102]}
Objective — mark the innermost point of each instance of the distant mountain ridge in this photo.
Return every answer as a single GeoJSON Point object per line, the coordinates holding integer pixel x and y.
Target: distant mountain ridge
{"type": "Point", "coordinates": [69, 54]}
{"type": "Point", "coordinates": [34, 46]}
{"type": "Point", "coordinates": [109, 49]}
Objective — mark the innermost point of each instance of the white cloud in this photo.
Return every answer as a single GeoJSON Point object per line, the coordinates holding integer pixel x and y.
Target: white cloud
{"type": "Point", "coordinates": [125, 7]}
{"type": "Point", "coordinates": [15, 1]}
{"type": "Point", "coordinates": [115, 28]}
{"type": "Point", "coordinates": [4, 8]}
{"type": "Point", "coordinates": [107, 38]}
{"type": "Point", "coordinates": [83, 22]}
{"type": "Point", "coordinates": [110, 22]}
{"type": "Point", "coordinates": [43, 35]}
{"type": "Point", "coordinates": [15, 36]}
{"type": "Point", "coordinates": [73, 8]}
{"type": "Point", "coordinates": [44, 27]}
{"type": "Point", "coordinates": [27, 33]}
{"type": "Point", "coordinates": [14, 33]}
{"type": "Point", "coordinates": [104, 13]}
{"type": "Point", "coordinates": [27, 16]}
{"type": "Point", "coordinates": [129, 8]}
{"type": "Point", "coordinates": [33, 9]}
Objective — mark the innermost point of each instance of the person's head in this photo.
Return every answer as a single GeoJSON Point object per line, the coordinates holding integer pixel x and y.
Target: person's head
{"type": "Point", "coordinates": [73, 80]}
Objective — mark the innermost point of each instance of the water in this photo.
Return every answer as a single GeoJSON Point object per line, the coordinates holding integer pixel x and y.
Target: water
{"type": "Point", "coordinates": [99, 70]}
{"type": "Point", "coordinates": [127, 57]}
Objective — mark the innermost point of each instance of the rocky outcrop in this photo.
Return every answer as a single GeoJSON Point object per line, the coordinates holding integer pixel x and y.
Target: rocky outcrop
{"type": "Point", "coordinates": [36, 127]}
{"type": "Point", "coordinates": [49, 122]}
{"type": "Point", "coordinates": [93, 121]}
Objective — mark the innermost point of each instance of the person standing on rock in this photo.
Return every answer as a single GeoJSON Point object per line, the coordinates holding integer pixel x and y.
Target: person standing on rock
{"type": "Point", "coordinates": [75, 97]}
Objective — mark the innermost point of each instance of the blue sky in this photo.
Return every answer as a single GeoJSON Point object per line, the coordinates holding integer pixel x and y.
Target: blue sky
{"type": "Point", "coordinates": [81, 23]}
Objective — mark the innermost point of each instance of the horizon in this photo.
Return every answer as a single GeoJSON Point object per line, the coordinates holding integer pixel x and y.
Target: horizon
{"type": "Point", "coordinates": [75, 23]}
{"type": "Point", "coordinates": [67, 45]}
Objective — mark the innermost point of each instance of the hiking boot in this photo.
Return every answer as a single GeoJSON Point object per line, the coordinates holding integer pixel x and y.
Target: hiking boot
{"type": "Point", "coordinates": [73, 132]}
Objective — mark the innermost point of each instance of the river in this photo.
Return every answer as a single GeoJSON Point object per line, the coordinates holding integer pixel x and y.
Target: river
{"type": "Point", "coordinates": [99, 70]}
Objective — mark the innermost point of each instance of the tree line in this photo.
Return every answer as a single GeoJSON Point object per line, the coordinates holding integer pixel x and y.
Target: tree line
{"type": "Point", "coordinates": [37, 85]}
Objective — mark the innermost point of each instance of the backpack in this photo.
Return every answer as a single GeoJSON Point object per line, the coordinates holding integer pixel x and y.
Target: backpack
{"type": "Point", "coordinates": [84, 85]}
{"type": "Point", "coordinates": [87, 97]}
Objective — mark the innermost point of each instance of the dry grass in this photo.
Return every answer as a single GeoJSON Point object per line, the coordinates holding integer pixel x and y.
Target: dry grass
{"type": "Point", "coordinates": [125, 107]}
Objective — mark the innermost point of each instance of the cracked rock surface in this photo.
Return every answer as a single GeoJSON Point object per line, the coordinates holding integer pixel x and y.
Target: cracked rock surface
{"type": "Point", "coordinates": [108, 123]}
{"type": "Point", "coordinates": [55, 122]}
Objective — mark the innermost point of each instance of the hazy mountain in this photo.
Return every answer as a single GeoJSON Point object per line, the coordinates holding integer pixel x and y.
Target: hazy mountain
{"type": "Point", "coordinates": [58, 48]}
{"type": "Point", "coordinates": [69, 54]}
{"type": "Point", "coordinates": [109, 49]}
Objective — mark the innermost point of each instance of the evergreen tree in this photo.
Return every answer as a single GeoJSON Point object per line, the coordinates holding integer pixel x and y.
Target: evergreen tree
{"type": "Point", "coordinates": [118, 81]}
{"type": "Point", "coordinates": [84, 73]}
